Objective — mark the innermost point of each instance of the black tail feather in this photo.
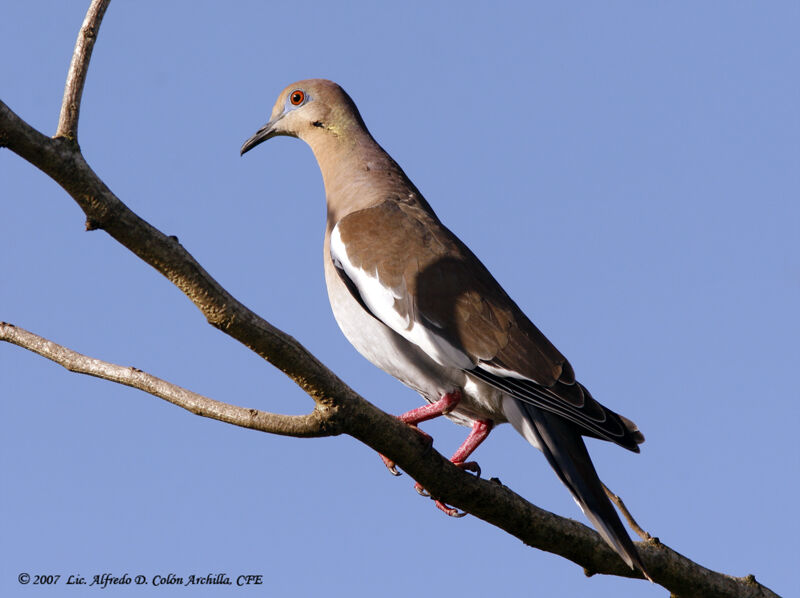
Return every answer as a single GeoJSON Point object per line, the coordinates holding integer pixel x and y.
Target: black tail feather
{"type": "Point", "coordinates": [562, 444]}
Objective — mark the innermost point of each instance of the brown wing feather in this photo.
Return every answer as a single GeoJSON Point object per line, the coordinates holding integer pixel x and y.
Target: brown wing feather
{"type": "Point", "coordinates": [449, 289]}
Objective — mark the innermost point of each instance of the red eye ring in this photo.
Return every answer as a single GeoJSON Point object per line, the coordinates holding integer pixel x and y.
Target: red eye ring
{"type": "Point", "coordinates": [297, 97]}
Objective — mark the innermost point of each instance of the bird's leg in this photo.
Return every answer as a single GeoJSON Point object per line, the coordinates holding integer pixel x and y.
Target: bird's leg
{"type": "Point", "coordinates": [444, 405]}
{"type": "Point", "coordinates": [480, 430]}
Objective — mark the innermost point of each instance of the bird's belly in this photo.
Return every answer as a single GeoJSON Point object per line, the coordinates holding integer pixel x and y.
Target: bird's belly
{"type": "Point", "coordinates": [405, 361]}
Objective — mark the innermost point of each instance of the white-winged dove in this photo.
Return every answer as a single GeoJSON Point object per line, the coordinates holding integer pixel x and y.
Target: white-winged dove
{"type": "Point", "coordinates": [417, 303]}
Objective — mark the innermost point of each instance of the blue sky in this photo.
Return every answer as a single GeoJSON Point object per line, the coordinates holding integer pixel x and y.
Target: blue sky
{"type": "Point", "coordinates": [630, 172]}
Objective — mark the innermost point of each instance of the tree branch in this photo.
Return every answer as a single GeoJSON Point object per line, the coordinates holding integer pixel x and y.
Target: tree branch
{"type": "Point", "coordinates": [315, 424]}
{"type": "Point", "coordinates": [486, 499]}
{"type": "Point", "coordinates": [338, 408]}
{"type": "Point", "coordinates": [76, 77]}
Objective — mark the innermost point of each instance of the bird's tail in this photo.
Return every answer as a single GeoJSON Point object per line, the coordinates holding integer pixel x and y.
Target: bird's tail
{"type": "Point", "coordinates": [562, 444]}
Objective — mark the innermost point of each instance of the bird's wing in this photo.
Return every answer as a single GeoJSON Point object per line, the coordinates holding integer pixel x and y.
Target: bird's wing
{"type": "Point", "coordinates": [416, 277]}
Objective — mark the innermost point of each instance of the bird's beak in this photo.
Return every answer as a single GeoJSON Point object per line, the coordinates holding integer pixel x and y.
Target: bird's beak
{"type": "Point", "coordinates": [268, 131]}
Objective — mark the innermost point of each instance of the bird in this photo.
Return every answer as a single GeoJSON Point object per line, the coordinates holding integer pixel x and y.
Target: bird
{"type": "Point", "coordinates": [417, 303]}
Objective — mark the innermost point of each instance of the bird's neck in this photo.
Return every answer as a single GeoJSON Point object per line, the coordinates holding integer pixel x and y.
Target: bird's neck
{"type": "Point", "coordinates": [356, 171]}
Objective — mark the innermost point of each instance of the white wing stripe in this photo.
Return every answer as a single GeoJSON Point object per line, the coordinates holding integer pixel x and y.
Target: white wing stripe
{"type": "Point", "coordinates": [381, 301]}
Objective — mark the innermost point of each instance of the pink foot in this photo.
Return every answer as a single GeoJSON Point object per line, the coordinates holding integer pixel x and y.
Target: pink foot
{"type": "Point", "coordinates": [468, 466]}
{"type": "Point", "coordinates": [480, 430]}
{"type": "Point", "coordinates": [449, 510]}
{"type": "Point", "coordinates": [444, 405]}
{"type": "Point", "coordinates": [390, 465]}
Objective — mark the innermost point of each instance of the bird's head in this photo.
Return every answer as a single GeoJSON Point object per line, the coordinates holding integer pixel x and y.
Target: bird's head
{"type": "Point", "coordinates": [310, 109]}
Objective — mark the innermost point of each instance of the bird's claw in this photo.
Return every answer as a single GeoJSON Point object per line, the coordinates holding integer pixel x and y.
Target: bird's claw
{"type": "Point", "coordinates": [427, 439]}
{"type": "Point", "coordinates": [452, 512]}
{"type": "Point", "coordinates": [470, 466]}
{"type": "Point", "coordinates": [390, 465]}
{"type": "Point", "coordinates": [463, 452]}
{"type": "Point", "coordinates": [421, 491]}
{"type": "Point", "coordinates": [439, 504]}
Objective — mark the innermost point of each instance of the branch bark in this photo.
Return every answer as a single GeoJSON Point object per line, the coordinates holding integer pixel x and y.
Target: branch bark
{"type": "Point", "coordinates": [315, 424]}
{"type": "Point", "coordinates": [338, 409]}
{"type": "Point", "coordinates": [78, 68]}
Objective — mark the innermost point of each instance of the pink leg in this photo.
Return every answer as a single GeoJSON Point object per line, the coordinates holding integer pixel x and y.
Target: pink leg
{"type": "Point", "coordinates": [444, 405]}
{"type": "Point", "coordinates": [480, 430]}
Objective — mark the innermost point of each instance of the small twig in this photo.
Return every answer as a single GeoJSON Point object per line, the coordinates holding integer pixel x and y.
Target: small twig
{"type": "Point", "coordinates": [627, 514]}
{"type": "Point", "coordinates": [79, 66]}
{"type": "Point", "coordinates": [315, 424]}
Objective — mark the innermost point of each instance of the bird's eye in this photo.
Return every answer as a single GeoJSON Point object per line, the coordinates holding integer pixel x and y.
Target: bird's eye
{"type": "Point", "coordinates": [297, 97]}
